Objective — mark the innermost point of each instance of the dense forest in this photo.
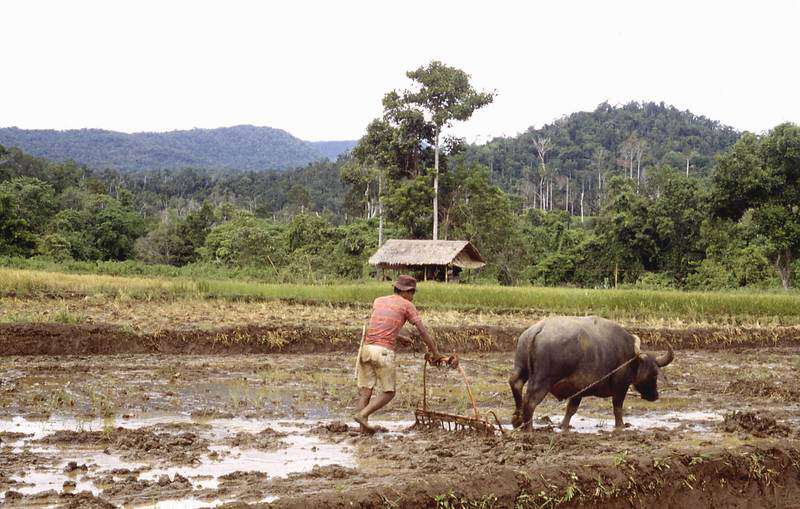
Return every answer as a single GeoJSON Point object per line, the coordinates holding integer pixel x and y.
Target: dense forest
{"type": "Point", "coordinates": [243, 147]}
{"type": "Point", "coordinates": [581, 150]}
{"type": "Point", "coordinates": [595, 199]}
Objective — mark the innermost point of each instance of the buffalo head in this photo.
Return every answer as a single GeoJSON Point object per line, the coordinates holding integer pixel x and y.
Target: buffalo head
{"type": "Point", "coordinates": [647, 373]}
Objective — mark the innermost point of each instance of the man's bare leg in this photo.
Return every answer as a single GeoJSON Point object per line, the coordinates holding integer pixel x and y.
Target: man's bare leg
{"type": "Point", "coordinates": [364, 394]}
{"type": "Point", "coordinates": [362, 417]}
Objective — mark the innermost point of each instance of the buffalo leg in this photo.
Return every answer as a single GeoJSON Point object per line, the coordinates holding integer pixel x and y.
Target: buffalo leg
{"type": "Point", "coordinates": [517, 382]}
{"type": "Point", "coordinates": [572, 407]}
{"type": "Point", "coordinates": [534, 395]}
{"type": "Point", "coordinates": [617, 400]}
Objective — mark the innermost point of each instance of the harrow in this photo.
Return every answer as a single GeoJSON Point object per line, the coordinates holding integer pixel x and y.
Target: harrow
{"type": "Point", "coordinates": [430, 419]}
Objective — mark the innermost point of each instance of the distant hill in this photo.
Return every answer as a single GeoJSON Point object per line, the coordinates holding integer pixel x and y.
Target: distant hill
{"type": "Point", "coordinates": [333, 149]}
{"type": "Point", "coordinates": [589, 141]}
{"type": "Point", "coordinates": [243, 147]}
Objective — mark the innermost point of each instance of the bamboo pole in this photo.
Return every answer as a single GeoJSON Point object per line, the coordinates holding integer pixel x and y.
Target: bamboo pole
{"type": "Point", "coordinates": [469, 391]}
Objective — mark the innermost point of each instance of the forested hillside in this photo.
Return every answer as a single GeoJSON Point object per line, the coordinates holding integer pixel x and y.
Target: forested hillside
{"type": "Point", "coordinates": [731, 222]}
{"type": "Point", "coordinates": [242, 147]}
{"type": "Point", "coordinates": [580, 150]}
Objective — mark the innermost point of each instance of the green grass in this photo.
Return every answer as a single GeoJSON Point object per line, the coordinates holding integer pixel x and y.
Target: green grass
{"type": "Point", "coordinates": [729, 307]}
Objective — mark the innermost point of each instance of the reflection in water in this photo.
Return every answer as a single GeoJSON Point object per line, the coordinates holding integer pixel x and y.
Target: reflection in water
{"type": "Point", "coordinates": [302, 453]}
{"type": "Point", "coordinates": [304, 450]}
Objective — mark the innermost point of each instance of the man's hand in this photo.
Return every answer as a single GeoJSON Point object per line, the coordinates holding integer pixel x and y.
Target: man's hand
{"type": "Point", "coordinates": [437, 359]}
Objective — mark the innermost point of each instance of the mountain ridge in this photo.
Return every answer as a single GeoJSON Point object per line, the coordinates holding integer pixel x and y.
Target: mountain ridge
{"type": "Point", "coordinates": [242, 147]}
{"type": "Point", "coordinates": [585, 142]}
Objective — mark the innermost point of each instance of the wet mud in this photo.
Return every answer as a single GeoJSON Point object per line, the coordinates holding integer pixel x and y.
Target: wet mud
{"type": "Point", "coordinates": [104, 339]}
{"type": "Point", "coordinates": [756, 424]}
{"type": "Point", "coordinates": [249, 430]}
{"type": "Point", "coordinates": [136, 444]}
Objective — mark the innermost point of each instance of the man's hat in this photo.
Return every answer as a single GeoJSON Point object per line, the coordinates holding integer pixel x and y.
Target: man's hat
{"type": "Point", "coordinates": [405, 283]}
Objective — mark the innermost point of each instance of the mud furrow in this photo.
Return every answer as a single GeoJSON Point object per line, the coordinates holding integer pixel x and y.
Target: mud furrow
{"type": "Point", "coordinates": [99, 339]}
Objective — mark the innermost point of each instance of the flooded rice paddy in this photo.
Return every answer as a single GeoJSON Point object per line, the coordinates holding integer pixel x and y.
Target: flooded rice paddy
{"type": "Point", "coordinates": [161, 431]}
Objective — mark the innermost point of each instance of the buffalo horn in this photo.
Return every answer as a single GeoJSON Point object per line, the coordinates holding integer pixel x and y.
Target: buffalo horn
{"type": "Point", "coordinates": [664, 360]}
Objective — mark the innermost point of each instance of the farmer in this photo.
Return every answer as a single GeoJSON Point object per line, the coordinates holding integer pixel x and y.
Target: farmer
{"type": "Point", "coordinates": [376, 357]}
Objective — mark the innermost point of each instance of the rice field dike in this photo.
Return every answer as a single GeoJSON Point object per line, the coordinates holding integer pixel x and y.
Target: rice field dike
{"type": "Point", "coordinates": [755, 307]}
{"type": "Point", "coordinates": [47, 311]}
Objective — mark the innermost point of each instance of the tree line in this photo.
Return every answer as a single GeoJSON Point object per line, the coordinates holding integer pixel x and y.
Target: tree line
{"type": "Point", "coordinates": [639, 194]}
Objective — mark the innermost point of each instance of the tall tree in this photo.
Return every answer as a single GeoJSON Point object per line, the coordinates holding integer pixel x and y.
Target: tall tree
{"type": "Point", "coordinates": [626, 230]}
{"type": "Point", "coordinates": [26, 204]}
{"type": "Point", "coordinates": [444, 95]}
{"type": "Point", "coordinates": [762, 175]}
{"type": "Point", "coordinates": [374, 157]}
{"type": "Point", "coordinates": [542, 144]}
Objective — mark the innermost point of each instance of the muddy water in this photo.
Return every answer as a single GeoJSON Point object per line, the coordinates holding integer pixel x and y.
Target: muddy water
{"type": "Point", "coordinates": [202, 431]}
{"type": "Point", "coordinates": [299, 449]}
{"type": "Point", "coordinates": [296, 451]}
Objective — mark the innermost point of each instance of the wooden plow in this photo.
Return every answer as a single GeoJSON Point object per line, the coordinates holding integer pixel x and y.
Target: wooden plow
{"type": "Point", "coordinates": [430, 419]}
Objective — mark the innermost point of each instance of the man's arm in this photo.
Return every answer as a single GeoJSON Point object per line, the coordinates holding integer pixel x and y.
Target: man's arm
{"type": "Point", "coordinates": [428, 340]}
{"type": "Point", "coordinates": [413, 317]}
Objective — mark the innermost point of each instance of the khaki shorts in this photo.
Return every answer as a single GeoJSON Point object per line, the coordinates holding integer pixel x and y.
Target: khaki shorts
{"type": "Point", "coordinates": [377, 365]}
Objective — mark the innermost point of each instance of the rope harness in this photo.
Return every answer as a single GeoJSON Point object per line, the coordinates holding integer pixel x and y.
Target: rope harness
{"type": "Point", "coordinates": [580, 392]}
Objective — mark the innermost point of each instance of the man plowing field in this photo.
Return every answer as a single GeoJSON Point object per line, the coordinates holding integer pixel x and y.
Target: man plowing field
{"type": "Point", "coordinates": [375, 364]}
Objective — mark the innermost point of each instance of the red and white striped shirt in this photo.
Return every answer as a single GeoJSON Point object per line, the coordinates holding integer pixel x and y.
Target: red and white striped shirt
{"type": "Point", "coordinates": [389, 314]}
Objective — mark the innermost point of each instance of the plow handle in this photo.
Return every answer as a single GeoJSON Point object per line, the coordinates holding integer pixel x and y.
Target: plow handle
{"type": "Point", "coordinates": [469, 392]}
{"type": "Point", "coordinates": [452, 363]}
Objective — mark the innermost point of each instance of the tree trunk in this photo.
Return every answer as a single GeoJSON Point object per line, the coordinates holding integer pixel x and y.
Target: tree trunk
{"type": "Point", "coordinates": [638, 173]}
{"type": "Point", "coordinates": [616, 274]}
{"type": "Point", "coordinates": [582, 191]}
{"type": "Point", "coordinates": [783, 266]}
{"type": "Point", "coordinates": [541, 192]}
{"type": "Point", "coordinates": [436, 188]}
{"type": "Point", "coordinates": [366, 202]}
{"type": "Point", "coordinates": [380, 209]}
{"type": "Point", "coordinates": [599, 189]}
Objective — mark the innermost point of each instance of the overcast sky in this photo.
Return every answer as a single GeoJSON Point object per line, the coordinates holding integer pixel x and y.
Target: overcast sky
{"type": "Point", "coordinates": [320, 69]}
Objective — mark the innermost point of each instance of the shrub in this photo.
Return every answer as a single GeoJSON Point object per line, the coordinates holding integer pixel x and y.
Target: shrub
{"type": "Point", "coordinates": [711, 275]}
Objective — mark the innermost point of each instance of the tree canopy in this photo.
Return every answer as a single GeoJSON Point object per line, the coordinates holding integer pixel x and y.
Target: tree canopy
{"type": "Point", "coordinates": [593, 200]}
{"type": "Point", "coordinates": [761, 176]}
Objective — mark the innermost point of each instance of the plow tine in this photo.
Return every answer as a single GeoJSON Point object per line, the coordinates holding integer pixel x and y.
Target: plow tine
{"type": "Point", "coordinates": [450, 422]}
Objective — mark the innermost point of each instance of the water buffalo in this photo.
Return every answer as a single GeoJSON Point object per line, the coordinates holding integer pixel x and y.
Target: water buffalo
{"type": "Point", "coordinates": [564, 354]}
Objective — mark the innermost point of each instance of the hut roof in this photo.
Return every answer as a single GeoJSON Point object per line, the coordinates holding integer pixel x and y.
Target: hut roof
{"type": "Point", "coordinates": [404, 253]}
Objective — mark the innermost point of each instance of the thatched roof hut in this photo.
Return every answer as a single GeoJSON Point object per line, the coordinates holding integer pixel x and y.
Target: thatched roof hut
{"type": "Point", "coordinates": [431, 256]}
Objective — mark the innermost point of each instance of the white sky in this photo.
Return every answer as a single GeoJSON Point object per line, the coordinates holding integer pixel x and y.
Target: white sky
{"type": "Point", "coordinates": [320, 69]}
